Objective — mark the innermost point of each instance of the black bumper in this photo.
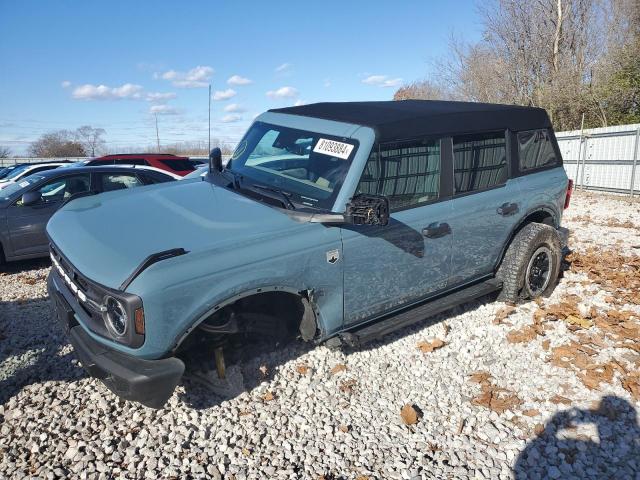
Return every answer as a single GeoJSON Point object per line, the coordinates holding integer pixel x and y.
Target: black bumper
{"type": "Point", "coordinates": [150, 382]}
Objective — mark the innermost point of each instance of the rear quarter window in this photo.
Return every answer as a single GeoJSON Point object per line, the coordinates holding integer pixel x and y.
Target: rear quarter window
{"type": "Point", "coordinates": [535, 150]}
{"type": "Point", "coordinates": [480, 161]}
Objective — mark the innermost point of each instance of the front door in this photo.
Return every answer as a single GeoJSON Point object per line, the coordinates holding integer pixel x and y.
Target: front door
{"type": "Point", "coordinates": [27, 223]}
{"type": "Point", "coordinates": [391, 266]}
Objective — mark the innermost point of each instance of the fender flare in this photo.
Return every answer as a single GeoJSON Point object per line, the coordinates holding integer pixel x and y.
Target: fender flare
{"type": "Point", "coordinates": [521, 223]}
{"type": "Point", "coordinates": [305, 295]}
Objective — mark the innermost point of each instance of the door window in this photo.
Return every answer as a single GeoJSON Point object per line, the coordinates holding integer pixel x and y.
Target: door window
{"type": "Point", "coordinates": [407, 173]}
{"type": "Point", "coordinates": [535, 149]}
{"type": "Point", "coordinates": [480, 161]}
{"type": "Point", "coordinates": [63, 188]}
{"type": "Point", "coordinates": [119, 181]}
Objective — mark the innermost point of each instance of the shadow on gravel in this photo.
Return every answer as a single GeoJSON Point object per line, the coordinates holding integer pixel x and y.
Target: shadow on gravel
{"type": "Point", "coordinates": [25, 265]}
{"type": "Point", "coordinates": [30, 347]}
{"type": "Point", "coordinates": [560, 452]}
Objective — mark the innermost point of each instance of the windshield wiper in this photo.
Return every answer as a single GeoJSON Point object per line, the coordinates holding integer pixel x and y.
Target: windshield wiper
{"type": "Point", "coordinates": [287, 201]}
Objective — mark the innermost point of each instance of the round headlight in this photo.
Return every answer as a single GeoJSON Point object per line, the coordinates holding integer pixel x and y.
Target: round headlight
{"type": "Point", "coordinates": [116, 316]}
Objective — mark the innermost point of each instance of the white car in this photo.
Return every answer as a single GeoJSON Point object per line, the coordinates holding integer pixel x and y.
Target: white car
{"type": "Point", "coordinates": [27, 169]}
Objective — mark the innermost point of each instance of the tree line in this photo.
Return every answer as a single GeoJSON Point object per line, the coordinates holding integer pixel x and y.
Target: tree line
{"type": "Point", "coordinates": [571, 57]}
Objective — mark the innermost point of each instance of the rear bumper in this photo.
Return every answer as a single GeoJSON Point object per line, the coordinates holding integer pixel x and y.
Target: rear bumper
{"type": "Point", "coordinates": [150, 382]}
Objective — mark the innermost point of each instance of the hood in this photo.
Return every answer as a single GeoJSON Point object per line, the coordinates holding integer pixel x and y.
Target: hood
{"type": "Point", "coordinates": [107, 236]}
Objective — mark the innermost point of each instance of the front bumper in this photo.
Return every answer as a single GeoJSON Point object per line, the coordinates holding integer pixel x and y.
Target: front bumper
{"type": "Point", "coordinates": [150, 382]}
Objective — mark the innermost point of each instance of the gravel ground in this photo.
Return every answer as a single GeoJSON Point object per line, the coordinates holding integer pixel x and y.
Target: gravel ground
{"type": "Point", "coordinates": [543, 390]}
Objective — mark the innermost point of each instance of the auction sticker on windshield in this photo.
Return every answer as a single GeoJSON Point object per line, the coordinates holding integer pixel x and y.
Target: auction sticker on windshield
{"type": "Point", "coordinates": [333, 148]}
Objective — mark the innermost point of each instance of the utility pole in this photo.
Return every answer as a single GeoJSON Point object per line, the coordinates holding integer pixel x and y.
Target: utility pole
{"type": "Point", "coordinates": [209, 149]}
{"type": "Point", "coordinates": [157, 134]}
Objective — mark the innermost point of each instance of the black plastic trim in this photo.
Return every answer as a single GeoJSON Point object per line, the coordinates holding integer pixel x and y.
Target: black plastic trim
{"type": "Point", "coordinates": [150, 260]}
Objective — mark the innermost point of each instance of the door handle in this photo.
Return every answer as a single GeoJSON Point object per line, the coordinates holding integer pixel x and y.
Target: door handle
{"type": "Point", "coordinates": [507, 209]}
{"type": "Point", "coordinates": [436, 230]}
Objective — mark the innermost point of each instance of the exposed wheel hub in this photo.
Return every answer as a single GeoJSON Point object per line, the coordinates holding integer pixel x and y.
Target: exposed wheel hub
{"type": "Point", "coordinates": [539, 271]}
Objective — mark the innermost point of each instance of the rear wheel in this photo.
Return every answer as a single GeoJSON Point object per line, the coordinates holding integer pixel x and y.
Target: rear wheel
{"type": "Point", "coordinates": [531, 264]}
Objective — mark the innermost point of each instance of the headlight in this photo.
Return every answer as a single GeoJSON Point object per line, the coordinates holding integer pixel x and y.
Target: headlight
{"type": "Point", "coordinates": [115, 316]}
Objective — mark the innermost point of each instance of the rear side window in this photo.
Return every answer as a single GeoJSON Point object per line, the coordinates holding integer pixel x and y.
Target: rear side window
{"type": "Point", "coordinates": [407, 173]}
{"type": "Point", "coordinates": [119, 181]}
{"type": "Point", "coordinates": [178, 164]}
{"type": "Point", "coordinates": [535, 150]}
{"type": "Point", "coordinates": [480, 161]}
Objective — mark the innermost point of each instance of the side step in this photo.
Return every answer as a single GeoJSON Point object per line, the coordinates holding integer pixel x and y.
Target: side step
{"type": "Point", "coordinates": [406, 317]}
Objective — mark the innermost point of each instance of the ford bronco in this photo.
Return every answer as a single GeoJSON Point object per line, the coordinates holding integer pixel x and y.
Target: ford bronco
{"type": "Point", "coordinates": [332, 222]}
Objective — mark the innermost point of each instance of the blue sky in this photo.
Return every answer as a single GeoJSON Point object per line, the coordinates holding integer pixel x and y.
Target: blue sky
{"type": "Point", "coordinates": [116, 64]}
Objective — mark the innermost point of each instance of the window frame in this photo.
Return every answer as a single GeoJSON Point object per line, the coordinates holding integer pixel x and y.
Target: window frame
{"type": "Point", "coordinates": [44, 182]}
{"type": "Point", "coordinates": [515, 153]}
{"type": "Point", "coordinates": [508, 161]}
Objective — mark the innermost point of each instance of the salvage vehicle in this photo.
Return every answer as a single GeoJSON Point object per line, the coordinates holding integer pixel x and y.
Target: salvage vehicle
{"type": "Point", "coordinates": [332, 222]}
{"type": "Point", "coordinates": [17, 173]}
{"type": "Point", "coordinates": [27, 206]}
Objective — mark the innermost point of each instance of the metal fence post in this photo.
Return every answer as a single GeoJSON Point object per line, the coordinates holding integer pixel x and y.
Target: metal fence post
{"type": "Point", "coordinates": [635, 160]}
{"type": "Point", "coordinates": [584, 160]}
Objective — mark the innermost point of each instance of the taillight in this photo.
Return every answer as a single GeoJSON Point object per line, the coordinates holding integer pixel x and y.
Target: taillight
{"type": "Point", "coordinates": [567, 198]}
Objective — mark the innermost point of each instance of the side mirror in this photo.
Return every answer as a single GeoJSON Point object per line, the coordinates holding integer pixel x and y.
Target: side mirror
{"type": "Point", "coordinates": [368, 210]}
{"type": "Point", "coordinates": [215, 160]}
{"type": "Point", "coordinates": [31, 198]}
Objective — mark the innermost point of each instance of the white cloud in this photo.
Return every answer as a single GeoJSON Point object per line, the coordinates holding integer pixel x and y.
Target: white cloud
{"type": "Point", "coordinates": [234, 108]}
{"type": "Point", "coordinates": [327, 82]}
{"type": "Point", "coordinates": [238, 80]}
{"type": "Point", "coordinates": [66, 84]}
{"type": "Point", "coordinates": [231, 118]}
{"type": "Point", "coordinates": [283, 92]}
{"type": "Point", "coordinates": [163, 110]}
{"type": "Point", "coordinates": [157, 97]}
{"type": "Point", "coordinates": [197, 77]}
{"type": "Point", "coordinates": [382, 81]}
{"type": "Point", "coordinates": [283, 67]}
{"type": "Point", "coordinates": [224, 94]}
{"type": "Point", "coordinates": [299, 103]}
{"type": "Point", "coordinates": [103, 92]}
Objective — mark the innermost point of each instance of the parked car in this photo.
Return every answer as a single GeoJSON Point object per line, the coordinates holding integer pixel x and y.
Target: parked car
{"type": "Point", "coordinates": [164, 161]}
{"type": "Point", "coordinates": [26, 206]}
{"type": "Point", "coordinates": [335, 222]}
{"type": "Point", "coordinates": [199, 172]}
{"type": "Point", "coordinates": [21, 171]}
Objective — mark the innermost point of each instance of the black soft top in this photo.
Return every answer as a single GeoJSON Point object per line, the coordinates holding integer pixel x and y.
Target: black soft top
{"type": "Point", "coordinates": [395, 120]}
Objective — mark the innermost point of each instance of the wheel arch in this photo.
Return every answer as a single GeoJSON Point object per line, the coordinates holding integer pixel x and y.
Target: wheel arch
{"type": "Point", "coordinates": [541, 214]}
{"type": "Point", "coordinates": [310, 320]}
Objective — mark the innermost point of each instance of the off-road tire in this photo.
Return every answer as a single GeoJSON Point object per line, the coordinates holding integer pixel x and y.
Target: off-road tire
{"type": "Point", "coordinates": [532, 238]}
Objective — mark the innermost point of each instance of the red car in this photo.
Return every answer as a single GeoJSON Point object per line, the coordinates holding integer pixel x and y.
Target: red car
{"type": "Point", "coordinates": [179, 165]}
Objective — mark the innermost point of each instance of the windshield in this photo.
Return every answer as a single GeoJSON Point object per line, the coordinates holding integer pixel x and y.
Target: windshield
{"type": "Point", "coordinates": [13, 188]}
{"type": "Point", "coordinates": [307, 166]}
{"type": "Point", "coordinates": [16, 172]}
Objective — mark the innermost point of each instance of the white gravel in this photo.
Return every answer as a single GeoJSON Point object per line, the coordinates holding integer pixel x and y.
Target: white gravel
{"type": "Point", "coordinates": [55, 422]}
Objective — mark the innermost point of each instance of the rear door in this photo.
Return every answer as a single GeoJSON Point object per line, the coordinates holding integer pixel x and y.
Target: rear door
{"type": "Point", "coordinates": [485, 205]}
{"type": "Point", "coordinates": [27, 223]}
{"type": "Point", "coordinates": [391, 266]}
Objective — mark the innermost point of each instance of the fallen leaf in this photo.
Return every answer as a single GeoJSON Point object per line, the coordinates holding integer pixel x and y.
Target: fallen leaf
{"type": "Point", "coordinates": [302, 368]}
{"type": "Point", "coordinates": [538, 429]}
{"type": "Point", "coordinates": [480, 377]}
{"type": "Point", "coordinates": [410, 414]}
{"type": "Point", "coordinates": [344, 428]}
{"type": "Point", "coordinates": [427, 347]}
{"type": "Point", "coordinates": [267, 397]}
{"type": "Point", "coordinates": [522, 335]}
{"type": "Point", "coordinates": [246, 452]}
{"type": "Point", "coordinates": [338, 368]}
{"type": "Point", "coordinates": [545, 345]}
{"type": "Point", "coordinates": [579, 321]}
{"type": "Point", "coordinates": [503, 313]}
{"type": "Point", "coordinates": [531, 412]}
{"type": "Point", "coordinates": [348, 386]}
{"type": "Point", "coordinates": [558, 399]}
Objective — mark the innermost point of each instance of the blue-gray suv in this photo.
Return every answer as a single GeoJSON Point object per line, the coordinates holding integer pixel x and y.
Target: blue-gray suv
{"type": "Point", "coordinates": [332, 222]}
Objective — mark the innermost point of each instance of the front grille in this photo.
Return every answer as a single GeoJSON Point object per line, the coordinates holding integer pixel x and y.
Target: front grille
{"type": "Point", "coordinates": [89, 293]}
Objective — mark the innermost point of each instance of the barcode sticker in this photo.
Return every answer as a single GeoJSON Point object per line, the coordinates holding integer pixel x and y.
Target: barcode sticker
{"type": "Point", "coordinates": [333, 148]}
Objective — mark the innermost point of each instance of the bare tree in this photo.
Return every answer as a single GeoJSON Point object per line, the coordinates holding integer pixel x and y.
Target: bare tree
{"type": "Point", "coordinates": [5, 152]}
{"type": "Point", "coordinates": [422, 90]}
{"type": "Point", "coordinates": [90, 138]}
{"type": "Point", "coordinates": [567, 56]}
{"type": "Point", "coordinates": [60, 143]}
